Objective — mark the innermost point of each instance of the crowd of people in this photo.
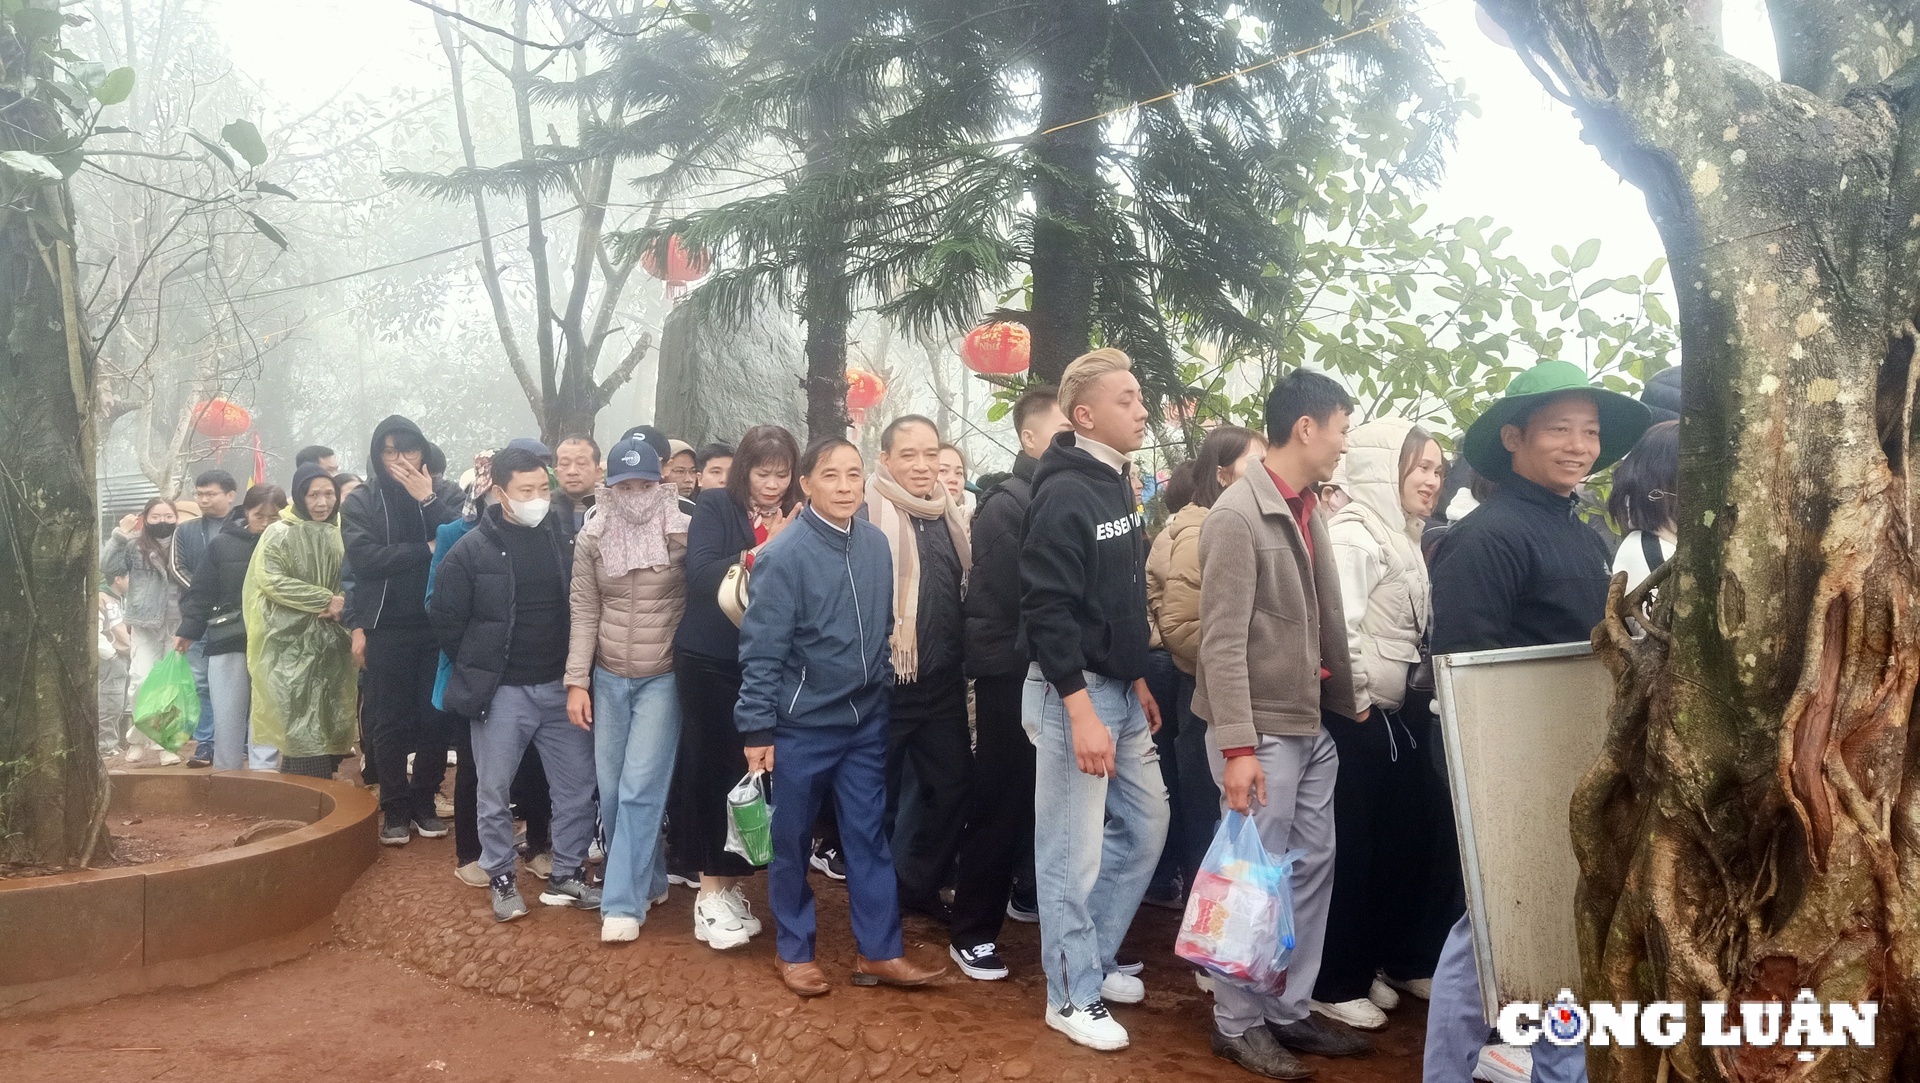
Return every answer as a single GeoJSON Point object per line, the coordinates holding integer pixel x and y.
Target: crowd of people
{"type": "Point", "coordinates": [978, 702]}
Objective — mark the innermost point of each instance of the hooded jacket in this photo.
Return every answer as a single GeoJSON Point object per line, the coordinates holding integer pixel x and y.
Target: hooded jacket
{"type": "Point", "coordinates": [217, 584]}
{"type": "Point", "coordinates": [1173, 586]}
{"type": "Point", "coordinates": [474, 608]}
{"type": "Point", "coordinates": [995, 644]}
{"type": "Point", "coordinates": [1383, 580]}
{"type": "Point", "coordinates": [814, 644]}
{"type": "Point", "coordinates": [1083, 557]}
{"type": "Point", "coordinates": [301, 663]}
{"type": "Point", "coordinates": [387, 532]}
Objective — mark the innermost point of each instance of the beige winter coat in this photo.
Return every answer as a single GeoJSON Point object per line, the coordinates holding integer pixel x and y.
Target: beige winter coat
{"type": "Point", "coordinates": [624, 624]}
{"type": "Point", "coordinates": [1173, 586]}
{"type": "Point", "coordinates": [1383, 579]}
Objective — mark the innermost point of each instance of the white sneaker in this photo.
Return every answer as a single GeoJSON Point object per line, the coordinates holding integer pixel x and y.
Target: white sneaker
{"type": "Point", "coordinates": [1359, 1014]}
{"type": "Point", "coordinates": [1204, 981]}
{"type": "Point", "coordinates": [1090, 1026]}
{"type": "Point", "coordinates": [659, 899]}
{"type": "Point", "coordinates": [135, 754]}
{"type": "Point", "coordinates": [715, 924]}
{"type": "Point", "coordinates": [1122, 989]}
{"type": "Point", "coordinates": [168, 759]}
{"type": "Point", "coordinates": [742, 909]}
{"type": "Point", "coordinates": [1504, 1064]}
{"type": "Point", "coordinates": [1383, 995]}
{"type": "Point", "coordinates": [595, 851]}
{"type": "Point", "coordinates": [1418, 987]}
{"type": "Point", "coordinates": [618, 929]}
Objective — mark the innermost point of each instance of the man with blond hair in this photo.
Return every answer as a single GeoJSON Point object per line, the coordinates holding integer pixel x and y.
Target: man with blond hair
{"type": "Point", "coordinates": [1100, 807]}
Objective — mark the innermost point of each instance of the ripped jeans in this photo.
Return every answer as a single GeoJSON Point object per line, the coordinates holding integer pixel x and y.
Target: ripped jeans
{"type": "Point", "coordinates": [1095, 840]}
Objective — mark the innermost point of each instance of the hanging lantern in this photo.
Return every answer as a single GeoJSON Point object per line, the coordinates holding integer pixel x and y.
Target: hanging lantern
{"type": "Point", "coordinates": [864, 391]}
{"type": "Point", "coordinates": [997, 349]}
{"type": "Point", "coordinates": [682, 265]}
{"type": "Point", "coordinates": [220, 419]}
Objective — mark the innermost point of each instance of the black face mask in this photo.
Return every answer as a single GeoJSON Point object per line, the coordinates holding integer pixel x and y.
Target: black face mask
{"type": "Point", "coordinates": [160, 531]}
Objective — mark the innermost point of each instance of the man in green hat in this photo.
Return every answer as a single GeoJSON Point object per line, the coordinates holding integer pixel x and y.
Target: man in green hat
{"type": "Point", "coordinates": [1521, 571]}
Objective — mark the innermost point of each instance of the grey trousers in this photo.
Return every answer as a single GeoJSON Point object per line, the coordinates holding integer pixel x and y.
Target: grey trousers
{"type": "Point", "coordinates": [1456, 1027]}
{"type": "Point", "coordinates": [536, 714]}
{"type": "Point", "coordinates": [1298, 815]}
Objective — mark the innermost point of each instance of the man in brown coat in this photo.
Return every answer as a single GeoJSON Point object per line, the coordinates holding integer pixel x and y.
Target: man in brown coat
{"type": "Point", "coordinates": [1273, 660]}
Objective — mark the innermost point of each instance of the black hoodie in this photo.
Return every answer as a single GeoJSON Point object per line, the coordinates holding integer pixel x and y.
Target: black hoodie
{"type": "Point", "coordinates": [218, 582]}
{"type": "Point", "coordinates": [387, 533]}
{"type": "Point", "coordinates": [1083, 559]}
{"type": "Point", "coordinates": [995, 647]}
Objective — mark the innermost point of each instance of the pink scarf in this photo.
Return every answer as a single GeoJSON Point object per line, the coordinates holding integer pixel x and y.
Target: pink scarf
{"type": "Point", "coordinates": [633, 527]}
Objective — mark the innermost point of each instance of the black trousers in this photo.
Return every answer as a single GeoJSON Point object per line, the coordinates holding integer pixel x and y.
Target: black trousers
{"type": "Point", "coordinates": [1163, 680]}
{"type": "Point", "coordinates": [710, 761]}
{"type": "Point", "coordinates": [1384, 823]}
{"type": "Point", "coordinates": [529, 795]}
{"type": "Point", "coordinates": [1191, 831]}
{"type": "Point", "coordinates": [997, 842]}
{"type": "Point", "coordinates": [929, 762]}
{"type": "Point", "coordinates": [401, 720]}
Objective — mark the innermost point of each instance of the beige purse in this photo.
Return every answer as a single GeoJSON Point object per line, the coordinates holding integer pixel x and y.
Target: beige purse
{"type": "Point", "coordinates": [733, 594]}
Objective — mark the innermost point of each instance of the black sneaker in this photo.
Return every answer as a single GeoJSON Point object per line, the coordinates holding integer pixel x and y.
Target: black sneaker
{"type": "Point", "coordinates": [1259, 1053]}
{"type": "Point", "coordinates": [1167, 896]}
{"type": "Point", "coordinates": [981, 963]}
{"type": "Point", "coordinates": [1321, 1038]}
{"type": "Point", "coordinates": [1024, 911]}
{"type": "Point", "coordinates": [395, 830]}
{"type": "Point", "coordinates": [202, 754]}
{"type": "Point", "coordinates": [507, 903]}
{"type": "Point", "coordinates": [430, 826]}
{"type": "Point", "coordinates": [828, 860]}
{"type": "Point", "coordinates": [933, 908]}
{"type": "Point", "coordinates": [571, 890]}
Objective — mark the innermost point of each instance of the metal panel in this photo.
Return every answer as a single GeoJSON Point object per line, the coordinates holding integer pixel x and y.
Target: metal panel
{"type": "Point", "coordinates": [1521, 727]}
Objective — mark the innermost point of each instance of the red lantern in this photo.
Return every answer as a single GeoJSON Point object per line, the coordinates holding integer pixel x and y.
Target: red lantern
{"type": "Point", "coordinates": [683, 265]}
{"type": "Point", "coordinates": [220, 419]}
{"type": "Point", "coordinates": [997, 349]}
{"type": "Point", "coordinates": [864, 391]}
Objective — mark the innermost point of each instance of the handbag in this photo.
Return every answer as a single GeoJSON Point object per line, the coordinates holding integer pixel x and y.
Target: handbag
{"type": "Point", "coordinates": [224, 630]}
{"type": "Point", "coordinates": [733, 593]}
{"type": "Point", "coordinates": [1420, 674]}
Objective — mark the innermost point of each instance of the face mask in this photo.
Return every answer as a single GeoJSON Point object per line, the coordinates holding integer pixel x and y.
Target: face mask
{"type": "Point", "coordinates": [530, 512]}
{"type": "Point", "coordinates": [160, 531]}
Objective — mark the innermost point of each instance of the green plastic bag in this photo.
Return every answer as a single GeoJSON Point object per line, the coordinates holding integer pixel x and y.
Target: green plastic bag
{"type": "Point", "coordinates": [167, 707]}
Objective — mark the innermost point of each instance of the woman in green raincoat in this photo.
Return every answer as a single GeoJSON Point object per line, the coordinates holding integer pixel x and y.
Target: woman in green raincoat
{"type": "Point", "coordinates": [298, 652]}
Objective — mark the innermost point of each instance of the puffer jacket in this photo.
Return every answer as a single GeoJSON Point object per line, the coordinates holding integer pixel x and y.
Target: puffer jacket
{"type": "Point", "coordinates": [1383, 580]}
{"type": "Point", "coordinates": [624, 624]}
{"type": "Point", "coordinates": [1173, 586]}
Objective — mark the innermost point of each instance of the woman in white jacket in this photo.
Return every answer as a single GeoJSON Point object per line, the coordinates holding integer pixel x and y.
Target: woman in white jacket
{"type": "Point", "coordinates": [1385, 803]}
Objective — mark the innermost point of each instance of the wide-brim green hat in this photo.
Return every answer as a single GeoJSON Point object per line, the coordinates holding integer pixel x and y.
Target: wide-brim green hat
{"type": "Point", "coordinates": [1623, 419]}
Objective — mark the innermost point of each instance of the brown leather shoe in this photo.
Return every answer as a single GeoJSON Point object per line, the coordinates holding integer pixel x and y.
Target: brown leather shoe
{"type": "Point", "coordinates": [898, 972]}
{"type": "Point", "coordinates": [803, 979]}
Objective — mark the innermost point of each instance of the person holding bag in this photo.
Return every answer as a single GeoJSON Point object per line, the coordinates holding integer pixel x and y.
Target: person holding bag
{"type": "Point", "coordinates": [211, 614]}
{"type": "Point", "coordinates": [725, 533]}
{"type": "Point", "coordinates": [141, 549]}
{"type": "Point", "coordinates": [1391, 907]}
{"type": "Point", "coordinates": [816, 684]}
{"type": "Point", "coordinates": [628, 593]}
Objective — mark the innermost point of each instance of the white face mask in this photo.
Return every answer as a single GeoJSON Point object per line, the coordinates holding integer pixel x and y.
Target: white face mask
{"type": "Point", "coordinates": [530, 512]}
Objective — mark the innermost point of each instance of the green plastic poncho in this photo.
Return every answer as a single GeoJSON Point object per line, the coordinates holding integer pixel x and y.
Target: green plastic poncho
{"type": "Point", "coordinates": [304, 684]}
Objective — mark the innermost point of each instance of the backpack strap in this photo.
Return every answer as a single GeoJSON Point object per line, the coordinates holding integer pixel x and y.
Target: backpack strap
{"type": "Point", "coordinates": [1650, 548]}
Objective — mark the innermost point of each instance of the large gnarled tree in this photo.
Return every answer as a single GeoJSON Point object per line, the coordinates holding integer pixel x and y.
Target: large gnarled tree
{"type": "Point", "coordinates": [1753, 827]}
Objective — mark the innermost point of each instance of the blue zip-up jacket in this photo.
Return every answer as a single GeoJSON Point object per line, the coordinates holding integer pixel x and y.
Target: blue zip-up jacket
{"type": "Point", "coordinates": [813, 646]}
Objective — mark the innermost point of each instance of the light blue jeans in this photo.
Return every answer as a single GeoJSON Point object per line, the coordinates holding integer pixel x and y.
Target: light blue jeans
{"type": "Point", "coordinates": [203, 684]}
{"type": "Point", "coordinates": [1095, 840]}
{"type": "Point", "coordinates": [1456, 1028]}
{"type": "Point", "coordinates": [636, 733]}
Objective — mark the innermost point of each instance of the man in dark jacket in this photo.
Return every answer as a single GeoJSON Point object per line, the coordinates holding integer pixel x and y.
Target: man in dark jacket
{"type": "Point", "coordinates": [1100, 806]}
{"type": "Point", "coordinates": [1521, 571]}
{"type": "Point", "coordinates": [389, 528]}
{"type": "Point", "coordinates": [928, 759]}
{"type": "Point", "coordinates": [998, 839]}
{"type": "Point", "coordinates": [500, 613]}
{"type": "Point", "coordinates": [213, 491]}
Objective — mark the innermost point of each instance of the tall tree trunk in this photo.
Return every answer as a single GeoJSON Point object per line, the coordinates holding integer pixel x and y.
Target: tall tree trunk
{"type": "Point", "coordinates": [1066, 175]}
{"type": "Point", "coordinates": [52, 784]}
{"type": "Point", "coordinates": [826, 295]}
{"type": "Point", "coordinates": [1753, 827]}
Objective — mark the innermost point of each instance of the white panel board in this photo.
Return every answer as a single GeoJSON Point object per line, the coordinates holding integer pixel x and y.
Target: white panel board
{"type": "Point", "coordinates": [1521, 727]}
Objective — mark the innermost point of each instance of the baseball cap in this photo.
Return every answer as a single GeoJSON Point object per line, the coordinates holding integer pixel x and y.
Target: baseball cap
{"type": "Point", "coordinates": [632, 458]}
{"type": "Point", "coordinates": [527, 443]}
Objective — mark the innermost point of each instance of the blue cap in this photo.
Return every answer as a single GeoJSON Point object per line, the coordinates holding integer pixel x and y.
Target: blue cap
{"type": "Point", "coordinates": [528, 443]}
{"type": "Point", "coordinates": [632, 458]}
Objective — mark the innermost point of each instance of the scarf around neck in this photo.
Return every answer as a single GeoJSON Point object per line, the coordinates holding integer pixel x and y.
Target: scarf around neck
{"type": "Point", "coordinates": [893, 509]}
{"type": "Point", "coordinates": [633, 527]}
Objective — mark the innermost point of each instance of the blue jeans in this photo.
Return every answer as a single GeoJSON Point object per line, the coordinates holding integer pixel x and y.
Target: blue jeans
{"type": "Point", "coordinates": [636, 732]}
{"type": "Point", "coordinates": [848, 763]}
{"type": "Point", "coordinates": [535, 714]}
{"type": "Point", "coordinates": [1456, 1027]}
{"type": "Point", "coordinates": [1095, 840]}
{"type": "Point", "coordinates": [203, 734]}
